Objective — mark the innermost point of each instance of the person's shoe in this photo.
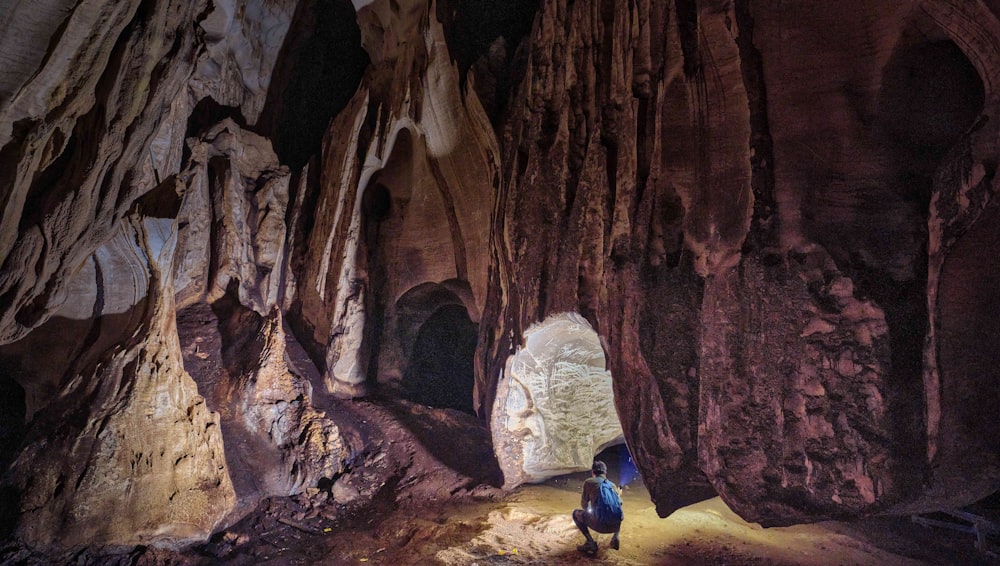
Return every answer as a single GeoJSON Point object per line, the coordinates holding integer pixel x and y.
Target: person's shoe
{"type": "Point", "coordinates": [589, 547]}
{"type": "Point", "coordinates": [614, 543]}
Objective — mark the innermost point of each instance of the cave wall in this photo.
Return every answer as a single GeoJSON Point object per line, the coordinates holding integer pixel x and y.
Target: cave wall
{"type": "Point", "coordinates": [777, 217]}
{"type": "Point", "coordinates": [770, 212]}
{"type": "Point", "coordinates": [411, 136]}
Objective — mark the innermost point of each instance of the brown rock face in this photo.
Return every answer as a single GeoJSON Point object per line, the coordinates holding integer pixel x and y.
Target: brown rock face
{"type": "Point", "coordinates": [224, 224]}
{"type": "Point", "coordinates": [132, 453]}
{"type": "Point", "coordinates": [403, 203]}
{"type": "Point", "coordinates": [748, 231]}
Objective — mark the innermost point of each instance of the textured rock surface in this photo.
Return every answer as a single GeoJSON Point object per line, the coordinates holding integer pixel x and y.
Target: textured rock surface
{"type": "Point", "coordinates": [778, 219]}
{"type": "Point", "coordinates": [697, 187]}
{"type": "Point", "coordinates": [608, 209]}
{"type": "Point", "coordinates": [131, 453]}
{"type": "Point", "coordinates": [242, 41]}
{"type": "Point", "coordinates": [403, 199]}
{"type": "Point", "coordinates": [555, 410]}
{"type": "Point", "coordinates": [233, 218]}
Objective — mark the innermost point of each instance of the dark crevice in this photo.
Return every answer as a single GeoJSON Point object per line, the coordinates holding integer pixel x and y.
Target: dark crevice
{"type": "Point", "coordinates": [930, 96]}
{"type": "Point", "coordinates": [472, 29]}
{"type": "Point", "coordinates": [687, 27]}
{"type": "Point", "coordinates": [208, 113]}
{"type": "Point", "coordinates": [299, 234]}
{"type": "Point", "coordinates": [611, 170]}
{"type": "Point", "coordinates": [644, 122]}
{"type": "Point", "coordinates": [32, 314]}
{"type": "Point", "coordinates": [765, 222]}
{"type": "Point", "coordinates": [905, 308]}
{"type": "Point", "coordinates": [12, 426]}
{"type": "Point", "coordinates": [543, 293]}
{"type": "Point", "coordinates": [238, 328]}
{"type": "Point", "coordinates": [64, 174]}
{"type": "Point", "coordinates": [317, 72]}
{"type": "Point", "coordinates": [472, 26]}
{"type": "Point", "coordinates": [11, 155]}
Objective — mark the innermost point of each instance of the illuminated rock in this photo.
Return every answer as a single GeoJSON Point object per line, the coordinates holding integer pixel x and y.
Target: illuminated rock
{"type": "Point", "coordinates": [554, 409]}
{"type": "Point", "coordinates": [133, 454]}
{"type": "Point", "coordinates": [780, 230]}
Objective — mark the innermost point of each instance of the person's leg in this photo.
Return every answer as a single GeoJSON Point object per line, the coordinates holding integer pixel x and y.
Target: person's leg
{"type": "Point", "coordinates": [580, 518]}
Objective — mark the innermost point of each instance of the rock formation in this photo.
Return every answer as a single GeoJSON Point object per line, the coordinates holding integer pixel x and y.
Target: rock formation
{"type": "Point", "coordinates": [556, 409]}
{"type": "Point", "coordinates": [222, 221]}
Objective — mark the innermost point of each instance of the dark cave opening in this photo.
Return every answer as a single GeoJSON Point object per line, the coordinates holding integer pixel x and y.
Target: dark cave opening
{"type": "Point", "coordinates": [13, 411]}
{"type": "Point", "coordinates": [440, 372]}
{"type": "Point", "coordinates": [484, 35]}
{"type": "Point", "coordinates": [317, 72]}
{"type": "Point", "coordinates": [931, 94]}
{"type": "Point", "coordinates": [621, 468]}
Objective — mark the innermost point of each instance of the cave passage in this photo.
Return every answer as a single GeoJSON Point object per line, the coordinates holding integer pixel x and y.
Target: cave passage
{"type": "Point", "coordinates": [440, 371]}
{"type": "Point", "coordinates": [620, 464]}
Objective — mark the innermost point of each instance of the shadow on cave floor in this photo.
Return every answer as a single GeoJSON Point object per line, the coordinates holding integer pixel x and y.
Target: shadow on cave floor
{"type": "Point", "coordinates": [459, 440]}
{"type": "Point", "coordinates": [532, 525]}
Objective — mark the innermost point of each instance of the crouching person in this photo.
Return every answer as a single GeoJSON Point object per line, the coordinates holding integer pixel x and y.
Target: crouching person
{"type": "Point", "coordinates": [602, 509]}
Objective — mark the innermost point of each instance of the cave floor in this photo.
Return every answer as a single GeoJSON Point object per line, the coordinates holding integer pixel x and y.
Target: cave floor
{"type": "Point", "coordinates": [531, 525]}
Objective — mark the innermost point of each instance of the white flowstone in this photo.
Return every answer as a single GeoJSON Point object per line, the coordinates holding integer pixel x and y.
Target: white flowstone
{"type": "Point", "coordinates": [555, 410]}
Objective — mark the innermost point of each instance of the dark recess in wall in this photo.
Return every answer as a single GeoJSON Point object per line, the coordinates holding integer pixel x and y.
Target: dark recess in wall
{"type": "Point", "coordinates": [440, 372]}
{"type": "Point", "coordinates": [471, 27]}
{"type": "Point", "coordinates": [317, 72]}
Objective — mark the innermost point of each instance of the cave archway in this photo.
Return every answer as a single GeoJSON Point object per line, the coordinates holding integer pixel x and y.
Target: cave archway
{"type": "Point", "coordinates": [554, 407]}
{"type": "Point", "coordinates": [429, 345]}
{"type": "Point", "coordinates": [440, 370]}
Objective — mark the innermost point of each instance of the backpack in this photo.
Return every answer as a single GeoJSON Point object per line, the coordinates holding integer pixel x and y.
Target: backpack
{"type": "Point", "coordinates": [609, 505]}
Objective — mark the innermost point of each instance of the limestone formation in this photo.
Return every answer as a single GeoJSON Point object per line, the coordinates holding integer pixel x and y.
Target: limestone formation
{"type": "Point", "coordinates": [224, 224]}
{"type": "Point", "coordinates": [131, 454]}
{"type": "Point", "coordinates": [555, 408]}
{"type": "Point", "coordinates": [233, 219]}
{"type": "Point", "coordinates": [403, 198]}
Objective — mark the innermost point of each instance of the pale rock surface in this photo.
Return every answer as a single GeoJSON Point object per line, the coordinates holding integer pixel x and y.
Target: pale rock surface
{"type": "Point", "coordinates": [232, 218]}
{"type": "Point", "coordinates": [242, 42]}
{"type": "Point", "coordinates": [143, 461]}
{"type": "Point", "coordinates": [555, 407]}
{"type": "Point", "coordinates": [415, 209]}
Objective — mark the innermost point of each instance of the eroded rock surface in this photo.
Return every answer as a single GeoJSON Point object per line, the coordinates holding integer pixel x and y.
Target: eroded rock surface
{"type": "Point", "coordinates": [777, 218]}
{"type": "Point", "coordinates": [403, 199]}
{"type": "Point", "coordinates": [131, 454]}
{"type": "Point", "coordinates": [555, 409]}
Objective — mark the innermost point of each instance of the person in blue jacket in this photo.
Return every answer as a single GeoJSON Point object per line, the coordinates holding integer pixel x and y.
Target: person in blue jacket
{"type": "Point", "coordinates": [587, 518]}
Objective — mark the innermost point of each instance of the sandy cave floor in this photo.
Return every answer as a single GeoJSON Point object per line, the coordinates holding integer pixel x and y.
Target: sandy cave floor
{"type": "Point", "coordinates": [532, 525]}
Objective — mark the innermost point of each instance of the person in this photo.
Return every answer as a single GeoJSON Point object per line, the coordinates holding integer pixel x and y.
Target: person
{"type": "Point", "coordinates": [586, 518]}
